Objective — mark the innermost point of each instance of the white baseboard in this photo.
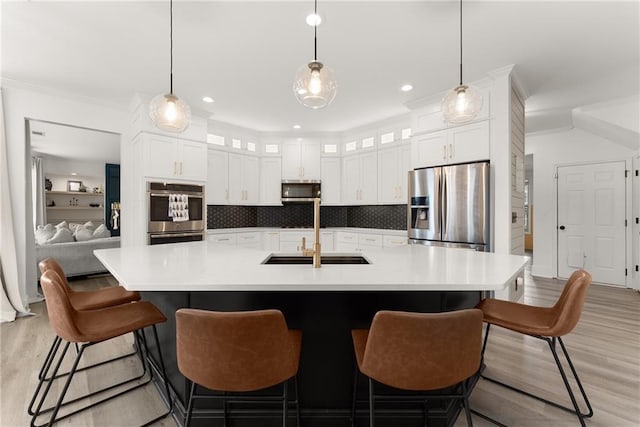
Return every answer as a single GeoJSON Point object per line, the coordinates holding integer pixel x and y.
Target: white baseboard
{"type": "Point", "coordinates": [542, 271]}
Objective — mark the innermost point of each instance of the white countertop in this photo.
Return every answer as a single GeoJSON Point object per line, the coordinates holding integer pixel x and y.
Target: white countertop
{"type": "Point", "coordinates": [206, 266]}
{"type": "Point", "coordinates": [310, 229]}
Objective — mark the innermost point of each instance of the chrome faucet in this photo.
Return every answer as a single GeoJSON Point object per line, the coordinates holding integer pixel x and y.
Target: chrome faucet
{"type": "Point", "coordinates": [315, 252]}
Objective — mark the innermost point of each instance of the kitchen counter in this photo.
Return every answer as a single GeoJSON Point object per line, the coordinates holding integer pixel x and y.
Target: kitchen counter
{"type": "Point", "coordinates": [204, 266]}
{"type": "Point", "coordinates": [324, 303]}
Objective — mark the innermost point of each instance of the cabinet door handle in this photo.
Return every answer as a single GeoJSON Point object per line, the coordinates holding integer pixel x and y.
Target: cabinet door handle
{"type": "Point", "coordinates": [226, 194]}
{"type": "Point", "coordinates": [444, 152]}
{"type": "Point", "coordinates": [180, 167]}
{"type": "Point", "coordinates": [175, 168]}
{"type": "Point", "coordinates": [451, 151]}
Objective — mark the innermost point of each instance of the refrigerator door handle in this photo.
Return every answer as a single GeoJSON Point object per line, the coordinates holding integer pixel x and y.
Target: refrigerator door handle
{"type": "Point", "coordinates": [443, 202]}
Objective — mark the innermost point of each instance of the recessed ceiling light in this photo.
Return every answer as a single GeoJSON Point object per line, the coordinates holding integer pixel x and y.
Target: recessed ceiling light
{"type": "Point", "coordinates": [297, 126]}
{"type": "Point", "coordinates": [406, 88]}
{"type": "Point", "coordinates": [208, 99]}
{"type": "Point", "coordinates": [314, 19]}
{"type": "Point", "coordinates": [73, 174]}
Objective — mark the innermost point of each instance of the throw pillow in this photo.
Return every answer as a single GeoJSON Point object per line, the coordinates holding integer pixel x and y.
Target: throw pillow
{"type": "Point", "coordinates": [63, 224]}
{"type": "Point", "coordinates": [62, 235]}
{"type": "Point", "coordinates": [73, 226]}
{"type": "Point", "coordinates": [44, 233]}
{"type": "Point", "coordinates": [83, 233]}
{"type": "Point", "coordinates": [90, 224]}
{"type": "Point", "coordinates": [101, 232]}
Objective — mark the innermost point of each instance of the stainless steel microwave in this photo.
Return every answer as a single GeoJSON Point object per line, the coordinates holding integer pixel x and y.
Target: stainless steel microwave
{"type": "Point", "coordinates": [300, 191]}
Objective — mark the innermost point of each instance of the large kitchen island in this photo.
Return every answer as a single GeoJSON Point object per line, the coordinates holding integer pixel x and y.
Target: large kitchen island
{"type": "Point", "coordinates": [325, 303]}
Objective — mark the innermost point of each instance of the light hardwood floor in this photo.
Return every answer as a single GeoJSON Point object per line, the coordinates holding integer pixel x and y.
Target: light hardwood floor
{"type": "Point", "coordinates": [605, 347]}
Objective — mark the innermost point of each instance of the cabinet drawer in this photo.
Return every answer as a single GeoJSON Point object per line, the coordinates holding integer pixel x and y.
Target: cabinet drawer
{"type": "Point", "coordinates": [296, 236]}
{"type": "Point", "coordinates": [370, 240]}
{"type": "Point", "coordinates": [250, 240]}
{"type": "Point", "coordinates": [345, 237]}
{"type": "Point", "coordinates": [390, 241]}
{"type": "Point", "coordinates": [223, 239]}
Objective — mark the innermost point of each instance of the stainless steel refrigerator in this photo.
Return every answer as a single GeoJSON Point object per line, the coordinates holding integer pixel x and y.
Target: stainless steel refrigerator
{"type": "Point", "coordinates": [449, 206]}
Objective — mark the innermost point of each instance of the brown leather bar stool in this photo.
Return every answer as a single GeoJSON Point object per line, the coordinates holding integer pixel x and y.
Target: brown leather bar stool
{"type": "Point", "coordinates": [237, 352]}
{"type": "Point", "coordinates": [82, 300]}
{"type": "Point", "coordinates": [546, 323]}
{"type": "Point", "coordinates": [89, 328]}
{"type": "Point", "coordinates": [90, 300]}
{"type": "Point", "coordinates": [420, 352]}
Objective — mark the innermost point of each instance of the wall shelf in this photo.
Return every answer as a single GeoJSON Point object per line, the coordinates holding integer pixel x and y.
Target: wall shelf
{"type": "Point", "coordinates": [72, 208]}
{"type": "Point", "coordinates": [75, 193]}
{"type": "Point", "coordinates": [80, 211]}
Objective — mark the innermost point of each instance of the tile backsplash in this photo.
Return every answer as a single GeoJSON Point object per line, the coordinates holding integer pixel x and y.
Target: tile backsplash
{"type": "Point", "coordinates": [370, 216]}
{"type": "Point", "coordinates": [393, 217]}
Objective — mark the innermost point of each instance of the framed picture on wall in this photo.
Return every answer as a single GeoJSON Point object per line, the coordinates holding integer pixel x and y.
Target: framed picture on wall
{"type": "Point", "coordinates": [74, 185]}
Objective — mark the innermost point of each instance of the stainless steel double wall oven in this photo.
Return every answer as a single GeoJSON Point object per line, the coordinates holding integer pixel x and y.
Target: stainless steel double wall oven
{"type": "Point", "coordinates": [163, 228]}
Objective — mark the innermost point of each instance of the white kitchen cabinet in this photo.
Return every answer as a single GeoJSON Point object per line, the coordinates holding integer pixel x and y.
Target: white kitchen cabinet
{"type": "Point", "coordinates": [217, 189]}
{"type": "Point", "coordinates": [346, 241]}
{"type": "Point", "coordinates": [469, 143]}
{"type": "Point", "coordinates": [301, 160]}
{"type": "Point", "coordinates": [173, 158]}
{"type": "Point", "coordinates": [243, 179]}
{"type": "Point", "coordinates": [223, 239]}
{"type": "Point", "coordinates": [251, 239]}
{"type": "Point", "coordinates": [393, 165]}
{"type": "Point", "coordinates": [360, 178]}
{"type": "Point", "coordinates": [368, 240]}
{"type": "Point", "coordinates": [271, 241]}
{"type": "Point", "coordinates": [291, 241]}
{"type": "Point", "coordinates": [326, 241]}
{"type": "Point", "coordinates": [429, 149]}
{"type": "Point", "coordinates": [459, 144]}
{"type": "Point", "coordinates": [391, 241]}
{"type": "Point", "coordinates": [270, 180]}
{"type": "Point", "coordinates": [330, 180]}
{"type": "Point", "coordinates": [429, 118]}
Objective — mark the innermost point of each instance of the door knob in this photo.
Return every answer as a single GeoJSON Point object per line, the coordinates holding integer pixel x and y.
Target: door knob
{"type": "Point", "coordinates": [562, 227]}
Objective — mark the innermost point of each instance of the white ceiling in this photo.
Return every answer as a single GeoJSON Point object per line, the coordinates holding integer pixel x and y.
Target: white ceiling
{"type": "Point", "coordinates": [245, 54]}
{"type": "Point", "coordinates": [73, 143]}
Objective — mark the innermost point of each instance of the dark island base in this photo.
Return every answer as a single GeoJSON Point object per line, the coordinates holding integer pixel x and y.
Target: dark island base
{"type": "Point", "coordinates": [327, 362]}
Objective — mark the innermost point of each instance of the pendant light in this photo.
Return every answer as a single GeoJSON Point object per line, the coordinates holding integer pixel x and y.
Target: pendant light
{"type": "Point", "coordinates": [315, 85]}
{"type": "Point", "coordinates": [463, 103]}
{"type": "Point", "coordinates": [167, 111]}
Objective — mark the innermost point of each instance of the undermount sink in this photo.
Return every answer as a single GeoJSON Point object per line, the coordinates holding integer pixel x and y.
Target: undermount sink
{"type": "Point", "coordinates": [285, 259]}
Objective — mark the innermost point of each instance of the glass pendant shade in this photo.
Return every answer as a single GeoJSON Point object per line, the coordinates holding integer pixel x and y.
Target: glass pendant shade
{"type": "Point", "coordinates": [315, 85]}
{"type": "Point", "coordinates": [170, 113]}
{"type": "Point", "coordinates": [461, 105]}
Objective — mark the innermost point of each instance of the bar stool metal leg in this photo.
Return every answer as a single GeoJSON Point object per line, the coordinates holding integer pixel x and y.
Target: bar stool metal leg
{"type": "Point", "coordinates": [576, 409]}
{"type": "Point", "coordinates": [371, 409]}
{"type": "Point", "coordinates": [295, 380]}
{"type": "Point", "coordinates": [285, 404]}
{"type": "Point", "coordinates": [187, 421]}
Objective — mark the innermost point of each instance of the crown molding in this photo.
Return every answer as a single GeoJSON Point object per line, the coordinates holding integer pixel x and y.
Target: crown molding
{"type": "Point", "coordinates": [47, 90]}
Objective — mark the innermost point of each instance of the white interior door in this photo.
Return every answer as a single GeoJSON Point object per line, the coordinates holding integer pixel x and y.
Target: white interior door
{"type": "Point", "coordinates": [591, 221]}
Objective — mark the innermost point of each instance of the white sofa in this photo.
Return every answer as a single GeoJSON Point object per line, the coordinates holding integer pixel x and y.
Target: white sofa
{"type": "Point", "coordinates": [76, 258]}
